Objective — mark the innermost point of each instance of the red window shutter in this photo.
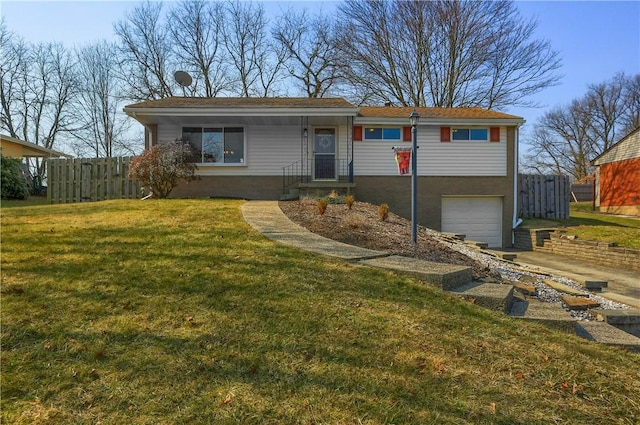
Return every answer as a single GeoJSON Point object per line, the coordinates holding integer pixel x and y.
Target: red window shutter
{"type": "Point", "coordinates": [445, 134]}
{"type": "Point", "coordinates": [357, 133]}
{"type": "Point", "coordinates": [494, 134]}
{"type": "Point", "coordinates": [406, 134]}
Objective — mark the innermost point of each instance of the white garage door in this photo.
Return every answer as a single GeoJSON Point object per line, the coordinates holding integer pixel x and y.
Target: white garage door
{"type": "Point", "coordinates": [479, 218]}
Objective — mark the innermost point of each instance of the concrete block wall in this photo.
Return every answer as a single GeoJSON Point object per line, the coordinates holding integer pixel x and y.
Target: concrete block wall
{"type": "Point", "coordinates": [553, 241]}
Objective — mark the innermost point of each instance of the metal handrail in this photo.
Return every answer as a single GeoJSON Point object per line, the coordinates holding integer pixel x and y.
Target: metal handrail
{"type": "Point", "coordinates": [301, 172]}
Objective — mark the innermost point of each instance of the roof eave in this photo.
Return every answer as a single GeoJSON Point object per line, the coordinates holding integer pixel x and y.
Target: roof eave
{"type": "Point", "coordinates": [231, 112]}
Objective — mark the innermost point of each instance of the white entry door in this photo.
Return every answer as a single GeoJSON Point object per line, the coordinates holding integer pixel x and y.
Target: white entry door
{"type": "Point", "coordinates": [478, 218]}
{"type": "Point", "coordinates": [324, 153]}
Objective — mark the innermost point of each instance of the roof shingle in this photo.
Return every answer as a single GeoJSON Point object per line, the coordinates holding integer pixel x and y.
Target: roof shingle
{"type": "Point", "coordinates": [405, 111]}
{"type": "Point", "coordinates": [243, 102]}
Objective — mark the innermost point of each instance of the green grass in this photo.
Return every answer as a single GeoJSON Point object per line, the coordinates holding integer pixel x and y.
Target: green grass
{"type": "Point", "coordinates": [31, 201]}
{"type": "Point", "coordinates": [177, 312]}
{"type": "Point", "coordinates": [591, 225]}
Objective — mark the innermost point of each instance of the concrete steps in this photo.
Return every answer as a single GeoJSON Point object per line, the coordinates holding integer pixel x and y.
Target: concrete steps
{"type": "Point", "coordinates": [551, 315]}
{"type": "Point", "coordinates": [494, 296]}
{"type": "Point", "coordinates": [516, 301]}
{"type": "Point", "coordinates": [605, 333]}
{"type": "Point", "coordinates": [445, 276]}
{"type": "Point", "coordinates": [626, 320]}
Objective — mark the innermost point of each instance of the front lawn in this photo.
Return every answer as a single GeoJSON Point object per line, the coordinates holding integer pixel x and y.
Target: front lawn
{"type": "Point", "coordinates": [177, 312]}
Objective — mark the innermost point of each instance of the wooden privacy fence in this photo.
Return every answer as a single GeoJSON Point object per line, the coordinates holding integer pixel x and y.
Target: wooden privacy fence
{"type": "Point", "coordinates": [94, 179]}
{"type": "Point", "coordinates": [543, 196]}
{"type": "Point", "coordinates": [582, 192]}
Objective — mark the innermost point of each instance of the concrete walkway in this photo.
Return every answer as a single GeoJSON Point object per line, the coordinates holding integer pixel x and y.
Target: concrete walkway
{"type": "Point", "coordinates": [267, 218]}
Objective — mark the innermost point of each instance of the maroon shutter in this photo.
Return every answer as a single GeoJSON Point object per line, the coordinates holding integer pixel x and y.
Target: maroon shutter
{"type": "Point", "coordinates": [445, 134]}
{"type": "Point", "coordinates": [406, 134]}
{"type": "Point", "coordinates": [494, 134]}
{"type": "Point", "coordinates": [357, 133]}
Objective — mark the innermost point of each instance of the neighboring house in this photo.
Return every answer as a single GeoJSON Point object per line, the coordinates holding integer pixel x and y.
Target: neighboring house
{"type": "Point", "coordinates": [618, 176]}
{"type": "Point", "coordinates": [20, 149]}
{"type": "Point", "coordinates": [264, 148]}
{"type": "Point", "coordinates": [16, 148]}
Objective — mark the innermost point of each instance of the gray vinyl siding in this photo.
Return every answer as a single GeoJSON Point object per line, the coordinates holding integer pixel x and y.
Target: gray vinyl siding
{"type": "Point", "coordinates": [435, 158]}
{"type": "Point", "coordinates": [269, 148]}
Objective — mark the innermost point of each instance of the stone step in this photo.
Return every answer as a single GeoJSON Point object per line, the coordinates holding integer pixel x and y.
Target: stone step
{"type": "Point", "coordinates": [595, 285]}
{"type": "Point", "coordinates": [626, 320]}
{"type": "Point", "coordinates": [495, 296]}
{"type": "Point", "coordinates": [446, 276]}
{"type": "Point", "coordinates": [551, 315]}
{"type": "Point", "coordinates": [579, 303]}
{"type": "Point", "coordinates": [503, 255]}
{"type": "Point", "coordinates": [525, 288]}
{"type": "Point", "coordinates": [565, 289]}
{"type": "Point", "coordinates": [477, 244]}
{"type": "Point", "coordinates": [605, 333]}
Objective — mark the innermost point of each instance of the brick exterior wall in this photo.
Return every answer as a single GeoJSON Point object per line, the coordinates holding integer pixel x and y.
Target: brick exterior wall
{"type": "Point", "coordinates": [553, 241]}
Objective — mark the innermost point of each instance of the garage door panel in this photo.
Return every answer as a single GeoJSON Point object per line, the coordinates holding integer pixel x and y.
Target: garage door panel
{"type": "Point", "coordinates": [479, 218]}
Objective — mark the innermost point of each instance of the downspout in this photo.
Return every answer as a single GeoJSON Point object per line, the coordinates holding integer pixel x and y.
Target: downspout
{"type": "Point", "coordinates": [350, 137]}
{"type": "Point", "coordinates": [515, 220]}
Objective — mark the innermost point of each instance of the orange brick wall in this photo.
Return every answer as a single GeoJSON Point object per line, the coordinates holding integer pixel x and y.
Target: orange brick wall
{"type": "Point", "coordinates": [620, 183]}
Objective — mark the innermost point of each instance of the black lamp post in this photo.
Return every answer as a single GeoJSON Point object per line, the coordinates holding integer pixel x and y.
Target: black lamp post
{"type": "Point", "coordinates": [413, 119]}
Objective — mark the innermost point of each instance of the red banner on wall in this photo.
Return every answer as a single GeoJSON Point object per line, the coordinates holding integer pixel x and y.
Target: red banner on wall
{"type": "Point", "coordinates": [403, 159]}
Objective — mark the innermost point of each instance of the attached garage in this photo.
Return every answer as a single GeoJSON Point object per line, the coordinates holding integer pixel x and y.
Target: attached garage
{"type": "Point", "coordinates": [478, 218]}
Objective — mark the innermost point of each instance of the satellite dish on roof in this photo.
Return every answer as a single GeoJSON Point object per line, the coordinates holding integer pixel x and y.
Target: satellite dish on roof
{"type": "Point", "coordinates": [182, 78]}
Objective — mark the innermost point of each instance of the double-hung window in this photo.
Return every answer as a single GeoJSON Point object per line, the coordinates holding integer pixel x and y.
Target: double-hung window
{"type": "Point", "coordinates": [383, 133]}
{"type": "Point", "coordinates": [216, 145]}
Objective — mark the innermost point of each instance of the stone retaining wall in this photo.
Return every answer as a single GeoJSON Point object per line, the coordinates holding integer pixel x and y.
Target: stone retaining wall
{"type": "Point", "coordinates": [554, 241]}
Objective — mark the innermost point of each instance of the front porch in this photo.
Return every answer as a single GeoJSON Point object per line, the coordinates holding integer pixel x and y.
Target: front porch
{"type": "Point", "coordinates": [317, 177]}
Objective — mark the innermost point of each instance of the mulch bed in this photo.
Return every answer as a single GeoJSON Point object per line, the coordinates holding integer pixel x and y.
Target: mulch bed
{"type": "Point", "coordinates": [361, 226]}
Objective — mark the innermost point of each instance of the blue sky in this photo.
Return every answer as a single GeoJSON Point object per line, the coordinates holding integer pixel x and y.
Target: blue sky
{"type": "Point", "coordinates": [596, 39]}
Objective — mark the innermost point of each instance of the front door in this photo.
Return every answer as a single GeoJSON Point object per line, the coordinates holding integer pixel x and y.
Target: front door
{"type": "Point", "coordinates": [324, 153]}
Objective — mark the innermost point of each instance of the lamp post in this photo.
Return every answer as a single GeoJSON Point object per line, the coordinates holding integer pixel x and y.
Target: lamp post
{"type": "Point", "coordinates": [413, 119]}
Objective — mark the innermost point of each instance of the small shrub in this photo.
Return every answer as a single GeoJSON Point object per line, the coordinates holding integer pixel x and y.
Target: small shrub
{"type": "Point", "coordinates": [383, 212]}
{"type": "Point", "coordinates": [12, 182]}
{"type": "Point", "coordinates": [163, 167]}
{"type": "Point", "coordinates": [354, 221]}
{"type": "Point", "coordinates": [321, 205]}
{"type": "Point", "coordinates": [349, 200]}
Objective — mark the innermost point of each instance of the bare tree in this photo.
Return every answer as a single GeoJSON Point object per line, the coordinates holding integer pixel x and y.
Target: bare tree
{"type": "Point", "coordinates": [146, 62]}
{"type": "Point", "coordinates": [196, 32]}
{"type": "Point", "coordinates": [13, 90]}
{"type": "Point", "coordinates": [101, 129]}
{"type": "Point", "coordinates": [567, 138]}
{"type": "Point", "coordinates": [312, 58]}
{"type": "Point", "coordinates": [256, 62]}
{"type": "Point", "coordinates": [444, 53]}
{"type": "Point", "coordinates": [38, 86]}
{"type": "Point", "coordinates": [631, 93]}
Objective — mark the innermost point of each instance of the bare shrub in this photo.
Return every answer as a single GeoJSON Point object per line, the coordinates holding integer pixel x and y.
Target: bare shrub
{"type": "Point", "coordinates": [354, 221]}
{"type": "Point", "coordinates": [383, 212]}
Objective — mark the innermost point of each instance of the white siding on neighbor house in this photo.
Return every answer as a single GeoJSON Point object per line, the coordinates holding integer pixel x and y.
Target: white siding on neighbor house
{"type": "Point", "coordinates": [628, 148]}
{"type": "Point", "coordinates": [435, 158]}
{"type": "Point", "coordinates": [269, 148]}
